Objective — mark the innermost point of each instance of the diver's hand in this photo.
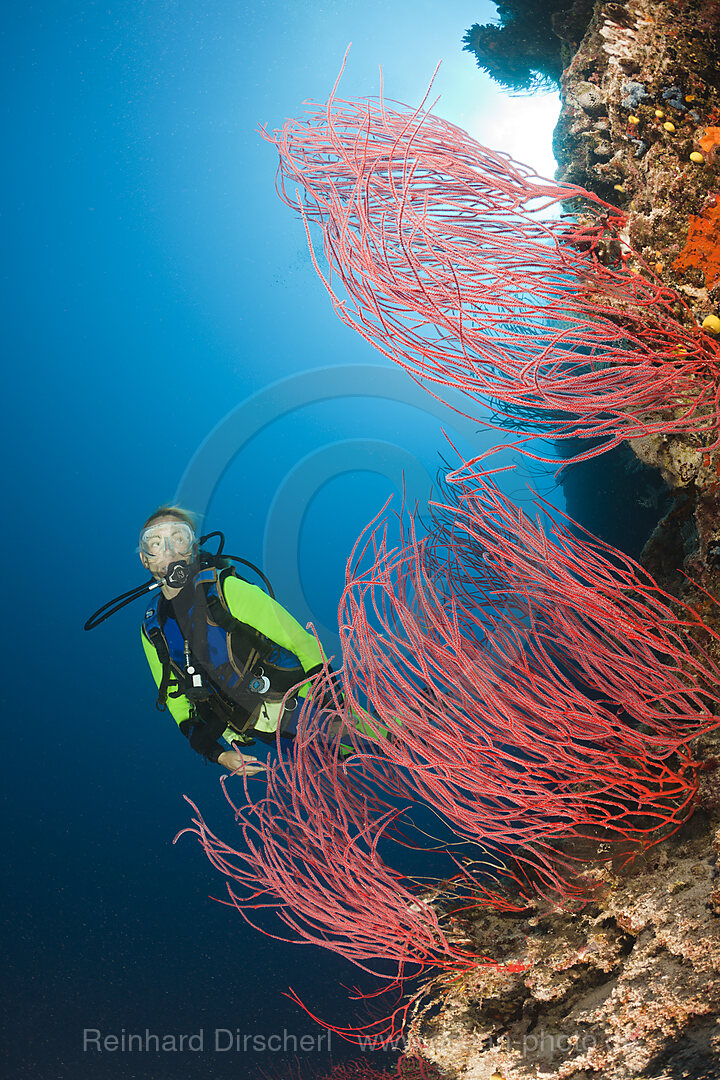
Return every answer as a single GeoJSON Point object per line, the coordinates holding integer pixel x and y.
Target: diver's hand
{"type": "Point", "coordinates": [234, 761]}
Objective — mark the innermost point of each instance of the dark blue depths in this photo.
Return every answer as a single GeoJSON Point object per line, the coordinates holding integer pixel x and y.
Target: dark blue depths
{"type": "Point", "coordinates": [153, 282]}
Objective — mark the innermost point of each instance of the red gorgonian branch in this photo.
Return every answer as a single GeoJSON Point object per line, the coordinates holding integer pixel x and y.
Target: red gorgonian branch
{"type": "Point", "coordinates": [451, 259]}
{"type": "Point", "coordinates": [533, 687]}
{"type": "Point", "coordinates": [543, 689]}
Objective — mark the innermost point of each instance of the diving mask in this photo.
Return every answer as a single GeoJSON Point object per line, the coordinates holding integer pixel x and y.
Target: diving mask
{"type": "Point", "coordinates": [174, 538]}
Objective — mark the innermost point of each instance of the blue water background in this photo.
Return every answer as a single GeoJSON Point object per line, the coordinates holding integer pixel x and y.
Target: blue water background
{"type": "Point", "coordinates": [154, 282]}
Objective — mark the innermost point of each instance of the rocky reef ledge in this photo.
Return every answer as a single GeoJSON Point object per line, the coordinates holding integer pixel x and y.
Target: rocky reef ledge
{"type": "Point", "coordinates": [628, 987]}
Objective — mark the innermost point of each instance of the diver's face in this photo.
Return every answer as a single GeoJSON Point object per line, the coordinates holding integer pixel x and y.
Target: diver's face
{"type": "Point", "coordinates": [164, 542]}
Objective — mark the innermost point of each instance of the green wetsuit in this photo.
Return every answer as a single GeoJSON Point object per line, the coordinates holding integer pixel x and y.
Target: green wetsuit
{"type": "Point", "coordinates": [252, 607]}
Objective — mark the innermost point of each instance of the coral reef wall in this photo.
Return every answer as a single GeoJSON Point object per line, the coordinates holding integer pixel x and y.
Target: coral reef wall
{"type": "Point", "coordinates": [640, 125]}
{"type": "Point", "coordinates": [630, 986]}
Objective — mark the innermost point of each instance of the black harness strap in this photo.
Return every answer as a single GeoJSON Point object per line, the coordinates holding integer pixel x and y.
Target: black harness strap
{"type": "Point", "coordinates": [215, 711]}
{"type": "Point", "coordinates": [157, 640]}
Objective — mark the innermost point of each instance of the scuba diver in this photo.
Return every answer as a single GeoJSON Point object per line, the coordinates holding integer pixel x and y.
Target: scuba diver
{"type": "Point", "coordinates": [223, 652]}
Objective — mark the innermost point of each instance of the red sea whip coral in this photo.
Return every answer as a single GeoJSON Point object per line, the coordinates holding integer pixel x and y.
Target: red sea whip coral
{"type": "Point", "coordinates": [309, 853]}
{"type": "Point", "coordinates": [406, 1069]}
{"type": "Point", "coordinates": [539, 689]}
{"type": "Point", "coordinates": [447, 257]}
{"type": "Point", "coordinates": [542, 684]}
{"type": "Point", "coordinates": [540, 692]}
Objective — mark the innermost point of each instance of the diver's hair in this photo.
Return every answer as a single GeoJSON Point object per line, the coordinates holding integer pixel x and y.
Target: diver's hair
{"type": "Point", "coordinates": [176, 512]}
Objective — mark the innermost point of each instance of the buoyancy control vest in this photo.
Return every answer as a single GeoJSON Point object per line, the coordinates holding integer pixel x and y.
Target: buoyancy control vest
{"type": "Point", "coordinates": [225, 667]}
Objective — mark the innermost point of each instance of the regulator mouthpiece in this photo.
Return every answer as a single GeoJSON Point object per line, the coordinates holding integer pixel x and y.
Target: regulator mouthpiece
{"type": "Point", "coordinates": [178, 574]}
